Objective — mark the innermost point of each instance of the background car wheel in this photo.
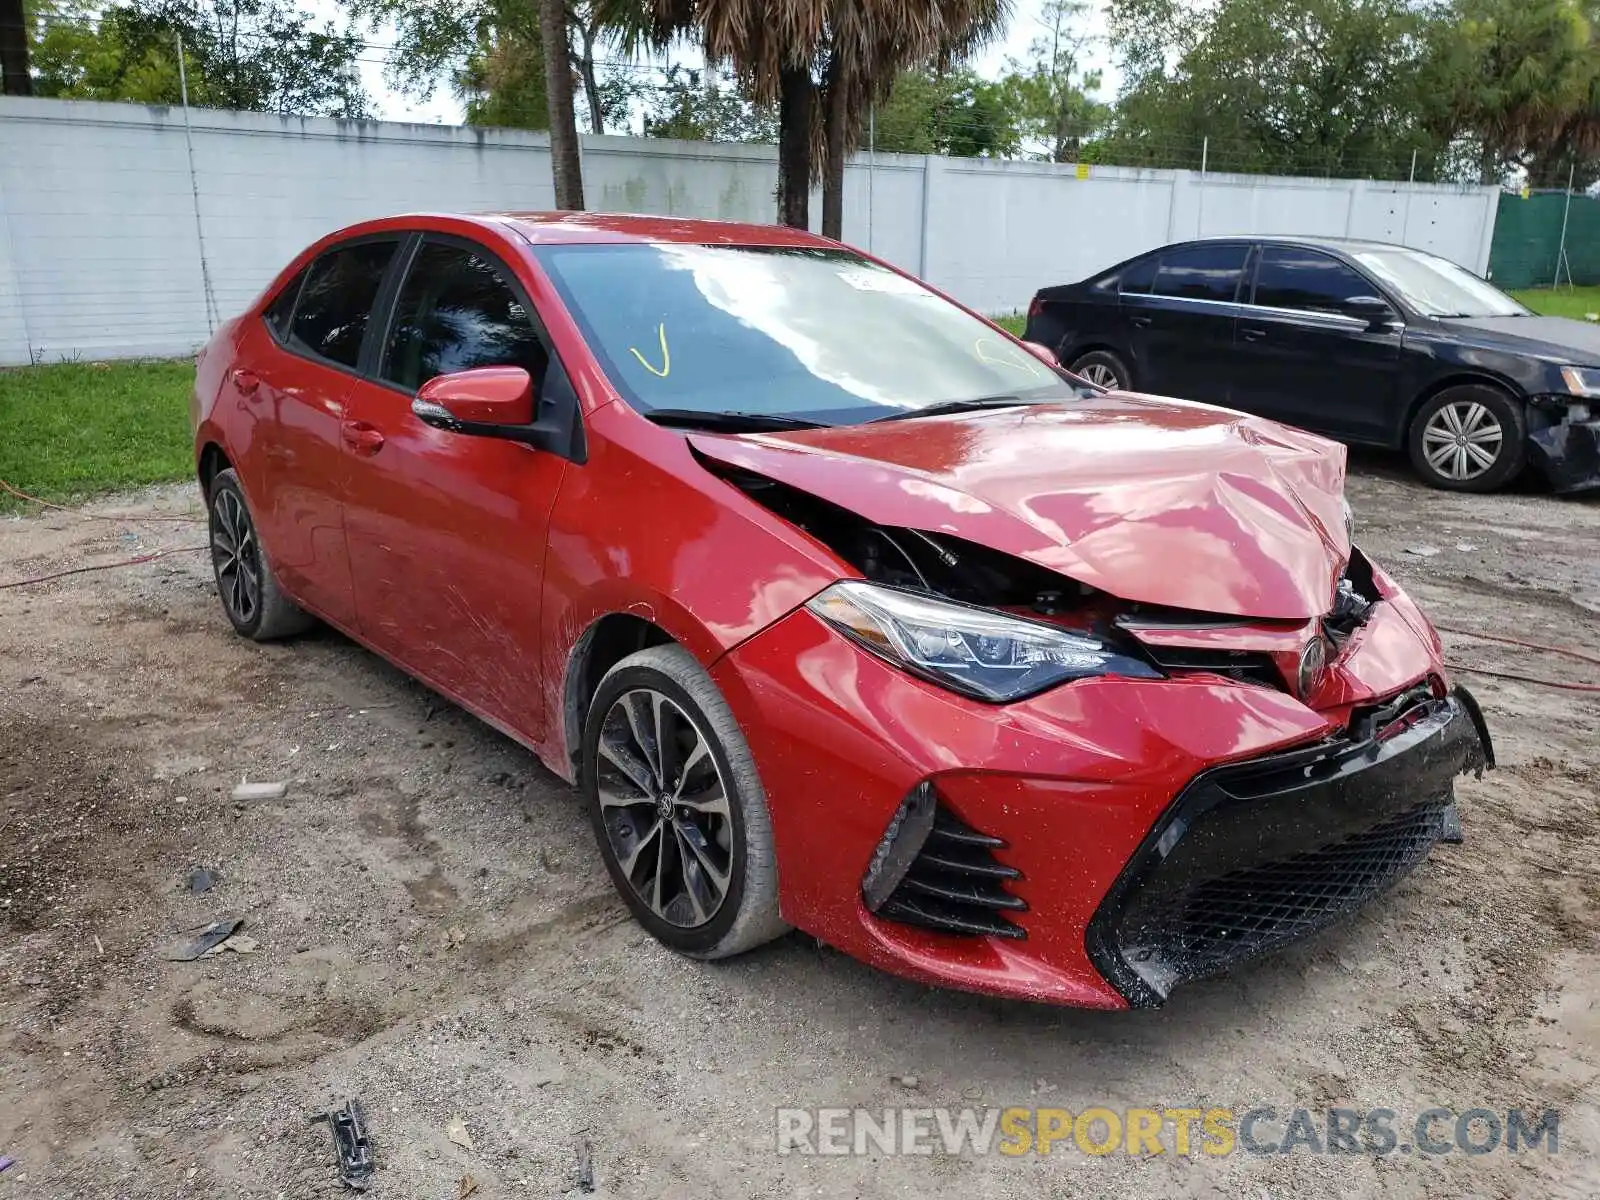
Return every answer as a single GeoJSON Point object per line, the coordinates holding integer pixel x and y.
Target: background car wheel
{"type": "Point", "coordinates": [1468, 439]}
{"type": "Point", "coordinates": [245, 582]}
{"type": "Point", "coordinates": [677, 807]}
{"type": "Point", "coordinates": [1103, 368]}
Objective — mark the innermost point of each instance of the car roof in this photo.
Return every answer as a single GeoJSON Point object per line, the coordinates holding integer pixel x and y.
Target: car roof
{"type": "Point", "coordinates": [1296, 239]}
{"type": "Point", "coordinates": [542, 228]}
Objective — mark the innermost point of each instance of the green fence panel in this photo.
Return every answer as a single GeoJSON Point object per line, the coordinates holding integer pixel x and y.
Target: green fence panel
{"type": "Point", "coordinates": [1527, 240]}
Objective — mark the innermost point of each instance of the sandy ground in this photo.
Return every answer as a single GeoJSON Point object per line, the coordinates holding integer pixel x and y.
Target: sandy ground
{"type": "Point", "coordinates": [437, 936]}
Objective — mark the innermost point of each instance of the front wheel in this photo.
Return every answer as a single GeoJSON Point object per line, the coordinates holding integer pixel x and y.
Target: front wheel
{"type": "Point", "coordinates": [677, 807]}
{"type": "Point", "coordinates": [1468, 439]}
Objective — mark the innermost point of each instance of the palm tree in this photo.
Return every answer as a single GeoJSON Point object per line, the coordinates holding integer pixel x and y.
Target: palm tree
{"type": "Point", "coordinates": [565, 165]}
{"type": "Point", "coordinates": [822, 62]}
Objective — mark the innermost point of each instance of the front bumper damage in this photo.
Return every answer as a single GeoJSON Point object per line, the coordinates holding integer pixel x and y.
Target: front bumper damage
{"type": "Point", "coordinates": [1566, 450]}
{"type": "Point", "coordinates": [1064, 845]}
{"type": "Point", "coordinates": [1254, 855]}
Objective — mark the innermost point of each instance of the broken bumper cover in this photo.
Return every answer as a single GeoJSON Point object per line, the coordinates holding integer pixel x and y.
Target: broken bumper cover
{"type": "Point", "coordinates": [1254, 855]}
{"type": "Point", "coordinates": [1566, 450]}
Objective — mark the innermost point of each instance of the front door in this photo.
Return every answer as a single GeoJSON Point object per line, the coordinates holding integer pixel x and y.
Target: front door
{"type": "Point", "coordinates": [1182, 329]}
{"type": "Point", "coordinates": [298, 385]}
{"type": "Point", "coordinates": [1307, 358]}
{"type": "Point", "coordinates": [446, 531]}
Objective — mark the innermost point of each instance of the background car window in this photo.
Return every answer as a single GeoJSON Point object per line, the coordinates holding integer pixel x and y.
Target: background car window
{"type": "Point", "coordinates": [1138, 276]}
{"type": "Point", "coordinates": [279, 310]}
{"type": "Point", "coordinates": [330, 318]}
{"type": "Point", "coordinates": [1289, 277]}
{"type": "Point", "coordinates": [1201, 272]}
{"type": "Point", "coordinates": [456, 311]}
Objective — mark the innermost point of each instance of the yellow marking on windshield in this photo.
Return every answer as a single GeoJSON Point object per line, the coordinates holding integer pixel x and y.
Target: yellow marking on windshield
{"type": "Point", "coordinates": [666, 355]}
{"type": "Point", "coordinates": [1024, 364]}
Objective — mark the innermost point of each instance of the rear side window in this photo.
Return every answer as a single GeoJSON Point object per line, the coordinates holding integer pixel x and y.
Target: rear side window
{"type": "Point", "coordinates": [279, 310]}
{"type": "Point", "coordinates": [457, 310]}
{"type": "Point", "coordinates": [1290, 277]}
{"type": "Point", "coordinates": [335, 303]}
{"type": "Point", "coordinates": [1137, 277]}
{"type": "Point", "coordinates": [1201, 272]}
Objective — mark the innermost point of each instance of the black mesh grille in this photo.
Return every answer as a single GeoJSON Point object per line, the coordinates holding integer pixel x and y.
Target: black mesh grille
{"type": "Point", "coordinates": [1247, 666]}
{"type": "Point", "coordinates": [957, 885]}
{"type": "Point", "coordinates": [1235, 916]}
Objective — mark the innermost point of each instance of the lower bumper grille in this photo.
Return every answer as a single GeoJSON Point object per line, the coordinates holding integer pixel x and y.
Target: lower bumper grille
{"type": "Point", "coordinates": [1254, 855]}
{"type": "Point", "coordinates": [955, 884]}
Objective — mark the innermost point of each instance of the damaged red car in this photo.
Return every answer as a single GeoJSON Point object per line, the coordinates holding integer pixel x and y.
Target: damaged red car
{"type": "Point", "coordinates": [844, 609]}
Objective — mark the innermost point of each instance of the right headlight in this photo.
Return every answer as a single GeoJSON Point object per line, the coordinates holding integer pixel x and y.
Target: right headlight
{"type": "Point", "coordinates": [977, 651]}
{"type": "Point", "coordinates": [1582, 381]}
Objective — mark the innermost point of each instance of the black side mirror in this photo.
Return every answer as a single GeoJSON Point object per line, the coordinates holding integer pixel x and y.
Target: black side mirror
{"type": "Point", "coordinates": [1374, 310]}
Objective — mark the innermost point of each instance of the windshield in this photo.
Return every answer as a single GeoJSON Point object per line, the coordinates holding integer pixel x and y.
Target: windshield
{"type": "Point", "coordinates": [817, 334]}
{"type": "Point", "coordinates": [1436, 287]}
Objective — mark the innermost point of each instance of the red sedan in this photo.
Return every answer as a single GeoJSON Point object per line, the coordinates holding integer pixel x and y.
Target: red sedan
{"type": "Point", "coordinates": [844, 609]}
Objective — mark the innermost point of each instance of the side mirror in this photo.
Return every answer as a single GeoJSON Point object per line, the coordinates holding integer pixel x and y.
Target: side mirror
{"type": "Point", "coordinates": [1374, 310]}
{"type": "Point", "coordinates": [1043, 353]}
{"type": "Point", "coordinates": [499, 397]}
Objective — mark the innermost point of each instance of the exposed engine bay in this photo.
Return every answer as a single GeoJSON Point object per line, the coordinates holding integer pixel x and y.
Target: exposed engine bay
{"type": "Point", "coordinates": [956, 569]}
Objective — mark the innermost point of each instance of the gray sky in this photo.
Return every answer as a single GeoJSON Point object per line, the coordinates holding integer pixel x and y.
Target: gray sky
{"type": "Point", "coordinates": [442, 107]}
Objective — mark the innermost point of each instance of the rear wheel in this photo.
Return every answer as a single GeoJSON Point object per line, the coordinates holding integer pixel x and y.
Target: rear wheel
{"type": "Point", "coordinates": [249, 591]}
{"type": "Point", "coordinates": [1468, 439]}
{"type": "Point", "coordinates": [1104, 369]}
{"type": "Point", "coordinates": [677, 807]}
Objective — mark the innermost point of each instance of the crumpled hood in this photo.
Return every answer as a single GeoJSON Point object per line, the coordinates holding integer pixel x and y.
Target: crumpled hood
{"type": "Point", "coordinates": [1158, 501]}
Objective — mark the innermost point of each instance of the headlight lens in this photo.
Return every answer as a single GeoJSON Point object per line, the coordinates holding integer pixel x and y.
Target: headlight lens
{"type": "Point", "coordinates": [1582, 381]}
{"type": "Point", "coordinates": [978, 651]}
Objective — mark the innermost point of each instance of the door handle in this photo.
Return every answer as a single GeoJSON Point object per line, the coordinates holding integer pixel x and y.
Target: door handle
{"type": "Point", "coordinates": [362, 438]}
{"type": "Point", "coordinates": [1252, 335]}
{"type": "Point", "coordinates": [1139, 322]}
{"type": "Point", "coordinates": [246, 381]}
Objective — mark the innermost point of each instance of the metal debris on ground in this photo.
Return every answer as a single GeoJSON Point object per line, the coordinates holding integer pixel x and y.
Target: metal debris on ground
{"type": "Point", "coordinates": [202, 879]}
{"type": "Point", "coordinates": [198, 942]}
{"type": "Point", "coordinates": [237, 944]}
{"type": "Point", "coordinates": [585, 1166]}
{"type": "Point", "coordinates": [350, 1141]}
{"type": "Point", "coordinates": [456, 1131]}
{"type": "Point", "coordinates": [1422, 551]}
{"type": "Point", "coordinates": [1450, 826]}
{"type": "Point", "coordinates": [259, 791]}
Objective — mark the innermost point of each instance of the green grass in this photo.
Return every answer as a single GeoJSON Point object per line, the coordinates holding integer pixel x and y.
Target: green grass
{"type": "Point", "coordinates": [1012, 323]}
{"type": "Point", "coordinates": [1562, 302]}
{"type": "Point", "coordinates": [74, 429]}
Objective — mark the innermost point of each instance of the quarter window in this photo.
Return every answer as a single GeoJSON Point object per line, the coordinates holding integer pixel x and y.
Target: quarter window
{"type": "Point", "coordinates": [457, 311]}
{"type": "Point", "coordinates": [1137, 277]}
{"type": "Point", "coordinates": [335, 303]}
{"type": "Point", "coordinates": [1201, 272]}
{"type": "Point", "coordinates": [1290, 277]}
{"type": "Point", "coordinates": [278, 312]}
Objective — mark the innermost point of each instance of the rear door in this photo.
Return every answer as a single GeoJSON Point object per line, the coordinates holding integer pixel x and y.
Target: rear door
{"type": "Point", "coordinates": [1182, 328]}
{"type": "Point", "coordinates": [295, 383]}
{"type": "Point", "coordinates": [1306, 357]}
{"type": "Point", "coordinates": [446, 531]}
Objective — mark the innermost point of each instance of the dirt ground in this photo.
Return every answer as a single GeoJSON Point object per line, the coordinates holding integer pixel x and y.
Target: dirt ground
{"type": "Point", "coordinates": [437, 935]}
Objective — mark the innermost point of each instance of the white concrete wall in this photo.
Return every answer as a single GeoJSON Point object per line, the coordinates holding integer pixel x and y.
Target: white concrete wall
{"type": "Point", "coordinates": [127, 231]}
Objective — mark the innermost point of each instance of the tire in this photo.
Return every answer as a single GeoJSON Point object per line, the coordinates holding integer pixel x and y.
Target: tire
{"type": "Point", "coordinates": [251, 597]}
{"type": "Point", "coordinates": [1103, 368]}
{"type": "Point", "coordinates": [1453, 431]}
{"type": "Point", "coordinates": [664, 686]}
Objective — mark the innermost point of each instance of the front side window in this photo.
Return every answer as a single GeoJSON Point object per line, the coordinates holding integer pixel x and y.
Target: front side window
{"type": "Point", "coordinates": [335, 302]}
{"type": "Point", "coordinates": [817, 334]}
{"type": "Point", "coordinates": [1201, 272]}
{"type": "Point", "coordinates": [456, 311]}
{"type": "Point", "coordinates": [1290, 277]}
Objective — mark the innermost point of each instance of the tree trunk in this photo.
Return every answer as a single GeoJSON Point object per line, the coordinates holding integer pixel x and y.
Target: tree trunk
{"type": "Point", "coordinates": [796, 94]}
{"type": "Point", "coordinates": [14, 50]}
{"type": "Point", "coordinates": [565, 165]}
{"type": "Point", "coordinates": [591, 84]}
{"type": "Point", "coordinates": [835, 119]}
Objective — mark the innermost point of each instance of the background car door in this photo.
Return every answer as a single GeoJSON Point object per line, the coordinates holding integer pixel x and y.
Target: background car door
{"type": "Point", "coordinates": [1306, 358]}
{"type": "Point", "coordinates": [1182, 329]}
{"type": "Point", "coordinates": [297, 385]}
{"type": "Point", "coordinates": [447, 532]}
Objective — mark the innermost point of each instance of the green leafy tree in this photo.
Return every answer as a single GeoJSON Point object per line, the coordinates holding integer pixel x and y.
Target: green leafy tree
{"type": "Point", "coordinates": [1049, 94]}
{"type": "Point", "coordinates": [259, 55]}
{"type": "Point", "coordinates": [947, 112]}
{"type": "Point", "coordinates": [706, 106]}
